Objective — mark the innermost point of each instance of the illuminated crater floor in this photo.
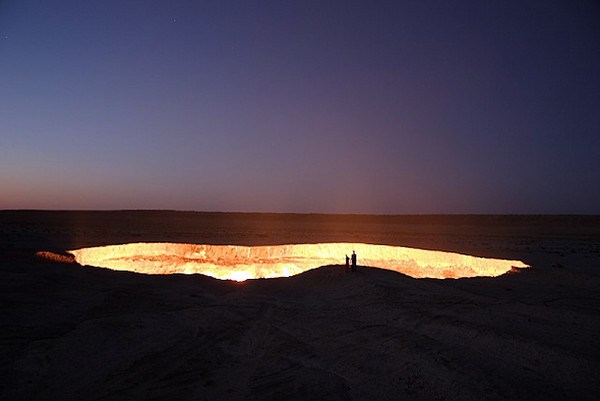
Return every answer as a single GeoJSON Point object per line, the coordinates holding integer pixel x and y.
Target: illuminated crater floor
{"type": "Point", "coordinates": [233, 262]}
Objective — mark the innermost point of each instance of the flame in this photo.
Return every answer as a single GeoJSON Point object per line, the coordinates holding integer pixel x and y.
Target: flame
{"type": "Point", "coordinates": [239, 263]}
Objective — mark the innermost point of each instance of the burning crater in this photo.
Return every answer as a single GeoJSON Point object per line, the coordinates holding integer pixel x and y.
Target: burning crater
{"type": "Point", "coordinates": [233, 262]}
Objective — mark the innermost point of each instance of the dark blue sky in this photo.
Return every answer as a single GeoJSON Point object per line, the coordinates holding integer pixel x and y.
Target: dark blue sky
{"type": "Point", "coordinates": [304, 106]}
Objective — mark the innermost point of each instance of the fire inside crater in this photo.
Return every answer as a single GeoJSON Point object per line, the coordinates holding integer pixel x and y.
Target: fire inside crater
{"type": "Point", "coordinates": [236, 262]}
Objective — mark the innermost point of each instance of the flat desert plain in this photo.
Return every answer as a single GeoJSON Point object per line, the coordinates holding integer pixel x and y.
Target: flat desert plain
{"type": "Point", "coordinates": [72, 332]}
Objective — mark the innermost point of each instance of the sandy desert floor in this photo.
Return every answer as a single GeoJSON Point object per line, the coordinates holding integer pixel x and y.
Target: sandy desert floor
{"type": "Point", "coordinates": [72, 332]}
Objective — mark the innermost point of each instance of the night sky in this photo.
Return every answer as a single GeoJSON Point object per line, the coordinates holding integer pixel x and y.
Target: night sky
{"type": "Point", "coordinates": [301, 106]}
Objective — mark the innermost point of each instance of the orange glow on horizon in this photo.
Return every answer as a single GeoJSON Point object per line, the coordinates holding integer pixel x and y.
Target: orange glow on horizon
{"type": "Point", "coordinates": [240, 263]}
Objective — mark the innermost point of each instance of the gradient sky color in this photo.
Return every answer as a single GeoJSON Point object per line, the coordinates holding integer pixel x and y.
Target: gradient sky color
{"type": "Point", "coordinates": [301, 106]}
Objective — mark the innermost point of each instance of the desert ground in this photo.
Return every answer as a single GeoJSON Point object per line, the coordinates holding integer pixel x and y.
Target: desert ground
{"type": "Point", "coordinates": [71, 332]}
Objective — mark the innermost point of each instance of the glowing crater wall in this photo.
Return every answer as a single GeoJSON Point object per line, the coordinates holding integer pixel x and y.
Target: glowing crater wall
{"type": "Point", "coordinates": [242, 262]}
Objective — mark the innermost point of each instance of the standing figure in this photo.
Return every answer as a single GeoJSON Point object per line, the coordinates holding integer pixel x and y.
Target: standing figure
{"type": "Point", "coordinates": [347, 263]}
{"type": "Point", "coordinates": [353, 261]}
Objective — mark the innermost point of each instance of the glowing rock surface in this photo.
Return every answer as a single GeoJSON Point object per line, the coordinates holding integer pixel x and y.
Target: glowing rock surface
{"type": "Point", "coordinates": [233, 262]}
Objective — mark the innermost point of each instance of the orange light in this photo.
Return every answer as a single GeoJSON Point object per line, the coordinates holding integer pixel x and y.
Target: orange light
{"type": "Point", "coordinates": [239, 263]}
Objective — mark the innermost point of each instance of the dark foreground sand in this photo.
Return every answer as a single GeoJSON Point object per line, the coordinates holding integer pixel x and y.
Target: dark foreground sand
{"type": "Point", "coordinates": [70, 332]}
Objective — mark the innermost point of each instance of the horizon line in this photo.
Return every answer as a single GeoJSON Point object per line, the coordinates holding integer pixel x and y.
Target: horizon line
{"type": "Point", "coordinates": [295, 213]}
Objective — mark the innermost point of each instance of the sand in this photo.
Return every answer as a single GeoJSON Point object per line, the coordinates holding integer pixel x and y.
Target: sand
{"type": "Point", "coordinates": [72, 332]}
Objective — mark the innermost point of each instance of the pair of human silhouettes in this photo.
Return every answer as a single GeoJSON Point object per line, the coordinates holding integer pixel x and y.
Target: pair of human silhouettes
{"type": "Point", "coordinates": [353, 261]}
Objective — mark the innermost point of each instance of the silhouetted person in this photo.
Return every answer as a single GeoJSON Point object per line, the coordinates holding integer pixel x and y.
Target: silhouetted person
{"type": "Point", "coordinates": [353, 261]}
{"type": "Point", "coordinates": [347, 263]}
